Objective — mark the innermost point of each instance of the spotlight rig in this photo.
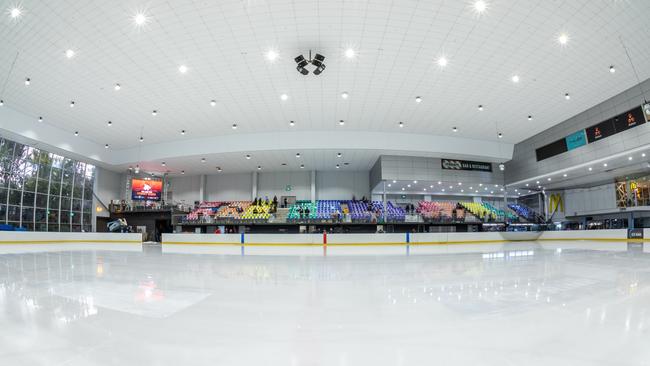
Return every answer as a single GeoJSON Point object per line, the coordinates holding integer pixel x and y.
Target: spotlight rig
{"type": "Point", "coordinates": [316, 61]}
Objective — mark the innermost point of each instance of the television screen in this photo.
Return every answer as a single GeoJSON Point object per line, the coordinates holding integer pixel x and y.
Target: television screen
{"type": "Point", "coordinates": [146, 190]}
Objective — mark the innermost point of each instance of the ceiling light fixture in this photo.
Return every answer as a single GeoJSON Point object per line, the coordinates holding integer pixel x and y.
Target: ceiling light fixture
{"type": "Point", "coordinates": [297, 155]}
{"type": "Point", "coordinates": [76, 133]}
{"type": "Point", "coordinates": [72, 104]}
{"type": "Point", "coordinates": [117, 87]}
{"type": "Point", "coordinates": [302, 166]}
{"type": "Point", "coordinates": [272, 55]}
{"type": "Point", "coordinates": [480, 107]}
{"type": "Point", "coordinates": [442, 61]}
{"type": "Point", "coordinates": [234, 126]}
{"type": "Point", "coordinates": [248, 157]}
{"type": "Point", "coordinates": [302, 62]}
{"type": "Point", "coordinates": [213, 102]}
{"type": "Point", "coordinates": [203, 160]}
{"type": "Point", "coordinates": [2, 102]}
{"type": "Point", "coordinates": [604, 164]}
{"type": "Point", "coordinates": [350, 53]}
{"type": "Point", "coordinates": [106, 146]}
{"type": "Point", "coordinates": [154, 112]}
{"type": "Point", "coordinates": [140, 19]}
{"type": "Point", "coordinates": [341, 122]}
{"type": "Point", "coordinates": [182, 132]}
{"type": "Point", "coordinates": [284, 97]}
{"type": "Point", "coordinates": [15, 12]}
{"type": "Point", "coordinates": [337, 166]}
{"type": "Point", "coordinates": [183, 172]}
{"type": "Point", "coordinates": [563, 39]}
{"type": "Point", "coordinates": [40, 119]}
{"type": "Point", "coordinates": [109, 123]}
{"type": "Point", "coordinates": [454, 129]}
{"type": "Point", "coordinates": [182, 69]}
{"type": "Point", "coordinates": [418, 99]}
{"type": "Point", "coordinates": [401, 124]}
{"type": "Point", "coordinates": [292, 123]}
{"type": "Point", "coordinates": [27, 81]}
{"type": "Point", "coordinates": [567, 96]}
{"type": "Point", "coordinates": [69, 53]}
{"type": "Point", "coordinates": [219, 169]}
{"type": "Point", "coordinates": [345, 95]}
{"type": "Point", "coordinates": [163, 164]}
{"type": "Point", "coordinates": [612, 69]}
{"type": "Point", "coordinates": [338, 155]}
{"type": "Point", "coordinates": [530, 118]}
{"type": "Point", "coordinates": [318, 62]}
{"type": "Point", "coordinates": [480, 6]}
{"type": "Point", "coordinates": [515, 79]}
{"type": "Point", "coordinates": [141, 139]}
{"type": "Point", "coordinates": [499, 135]}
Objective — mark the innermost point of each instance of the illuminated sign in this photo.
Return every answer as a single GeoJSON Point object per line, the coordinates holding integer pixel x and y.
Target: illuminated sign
{"type": "Point", "coordinates": [146, 190]}
{"type": "Point", "coordinates": [465, 165]}
{"type": "Point", "coordinates": [576, 139]}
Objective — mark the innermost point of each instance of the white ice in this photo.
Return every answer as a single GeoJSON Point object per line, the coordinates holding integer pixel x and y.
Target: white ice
{"type": "Point", "coordinates": [563, 303]}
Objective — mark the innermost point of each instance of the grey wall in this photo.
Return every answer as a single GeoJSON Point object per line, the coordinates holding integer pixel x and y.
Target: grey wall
{"type": "Point", "coordinates": [341, 185]}
{"type": "Point", "coordinates": [229, 187]}
{"type": "Point", "coordinates": [524, 164]}
{"type": "Point", "coordinates": [429, 169]}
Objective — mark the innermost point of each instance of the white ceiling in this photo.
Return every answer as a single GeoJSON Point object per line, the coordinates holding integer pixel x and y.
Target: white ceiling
{"type": "Point", "coordinates": [223, 44]}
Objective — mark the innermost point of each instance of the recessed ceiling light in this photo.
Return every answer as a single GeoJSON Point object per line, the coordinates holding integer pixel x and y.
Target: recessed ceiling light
{"type": "Point", "coordinates": [563, 38]}
{"type": "Point", "coordinates": [15, 12]}
{"type": "Point", "coordinates": [234, 126]}
{"type": "Point", "coordinates": [451, 187]}
{"type": "Point", "coordinates": [182, 172]}
{"type": "Point", "coordinates": [402, 188]}
{"type": "Point", "coordinates": [390, 185]}
{"type": "Point", "coordinates": [590, 169]}
{"type": "Point", "coordinates": [548, 179]}
{"type": "Point", "coordinates": [117, 87]}
{"type": "Point", "coordinates": [182, 132]}
{"type": "Point", "coordinates": [27, 81]}
{"type": "Point", "coordinates": [480, 107]}
{"type": "Point", "coordinates": [418, 99]}
{"type": "Point", "coordinates": [431, 186]}
{"type": "Point", "coordinates": [515, 79]}
{"type": "Point", "coordinates": [248, 157]}
{"type": "Point", "coordinates": [401, 124]}
{"type": "Point", "coordinates": [499, 135]}
{"type": "Point", "coordinates": [564, 175]}
{"type": "Point", "coordinates": [154, 112]}
{"type": "Point", "coordinates": [76, 133]}
{"type": "Point", "coordinates": [219, 169]}
{"type": "Point", "coordinates": [605, 164]}
{"type": "Point", "coordinates": [454, 129]}
{"type": "Point", "coordinates": [350, 53]}
{"type": "Point", "coordinates": [338, 155]}
{"type": "Point", "coordinates": [415, 182]}
{"type": "Point", "coordinates": [345, 95]}
{"type": "Point", "coordinates": [460, 183]}
{"type": "Point", "coordinates": [109, 123]}
{"type": "Point", "coordinates": [69, 53]}
{"type": "Point", "coordinates": [203, 160]}
{"type": "Point", "coordinates": [284, 97]}
{"type": "Point", "coordinates": [182, 69]}
{"type": "Point", "coordinates": [642, 155]}
{"type": "Point", "coordinates": [337, 166]}
{"type": "Point", "coordinates": [341, 122]}
{"type": "Point", "coordinates": [442, 61]}
{"type": "Point", "coordinates": [530, 118]}
{"type": "Point", "coordinates": [141, 139]}
{"type": "Point", "coordinates": [213, 102]}
{"type": "Point", "coordinates": [480, 6]}
{"type": "Point", "coordinates": [567, 96]}
{"type": "Point", "coordinates": [439, 182]}
{"type": "Point", "coordinates": [302, 166]}
{"type": "Point", "coordinates": [272, 55]}
{"type": "Point", "coordinates": [298, 155]}
{"type": "Point", "coordinates": [424, 189]}
{"type": "Point", "coordinates": [526, 184]}
{"type": "Point", "coordinates": [443, 189]}
{"type": "Point", "coordinates": [537, 182]}
{"type": "Point", "coordinates": [106, 146]}
{"type": "Point", "coordinates": [292, 123]}
{"type": "Point", "coordinates": [408, 185]}
{"type": "Point", "coordinates": [140, 19]}
{"type": "Point", "coordinates": [40, 119]}
{"type": "Point", "coordinates": [72, 104]}
{"type": "Point", "coordinates": [629, 158]}
{"type": "Point", "coordinates": [612, 69]}
{"type": "Point", "coordinates": [163, 164]}
{"type": "Point", "coordinates": [2, 102]}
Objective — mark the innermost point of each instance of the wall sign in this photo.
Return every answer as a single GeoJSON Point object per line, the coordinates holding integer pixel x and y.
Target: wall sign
{"type": "Point", "coordinates": [465, 165]}
{"type": "Point", "coordinates": [575, 140]}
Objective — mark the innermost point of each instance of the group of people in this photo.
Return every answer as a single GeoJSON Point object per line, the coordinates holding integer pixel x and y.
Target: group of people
{"type": "Point", "coordinates": [265, 202]}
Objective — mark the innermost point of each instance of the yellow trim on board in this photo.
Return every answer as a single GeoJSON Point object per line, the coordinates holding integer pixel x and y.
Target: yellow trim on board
{"type": "Point", "coordinates": [72, 241]}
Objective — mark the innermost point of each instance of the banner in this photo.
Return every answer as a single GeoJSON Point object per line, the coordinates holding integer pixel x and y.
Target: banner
{"type": "Point", "coordinates": [146, 190]}
{"type": "Point", "coordinates": [576, 139]}
{"type": "Point", "coordinates": [465, 165]}
{"type": "Point", "coordinates": [635, 233]}
{"type": "Point", "coordinates": [555, 203]}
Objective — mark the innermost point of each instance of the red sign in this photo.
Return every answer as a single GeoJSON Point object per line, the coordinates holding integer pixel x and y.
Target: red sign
{"type": "Point", "coordinates": [146, 190]}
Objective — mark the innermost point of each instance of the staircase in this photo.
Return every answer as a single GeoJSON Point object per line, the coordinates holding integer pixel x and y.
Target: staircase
{"type": "Point", "coordinates": [281, 215]}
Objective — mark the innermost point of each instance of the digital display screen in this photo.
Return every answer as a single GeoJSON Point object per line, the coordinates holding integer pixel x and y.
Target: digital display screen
{"type": "Point", "coordinates": [628, 120]}
{"type": "Point", "coordinates": [146, 190]}
{"type": "Point", "coordinates": [552, 149]}
{"type": "Point", "coordinates": [576, 140]}
{"type": "Point", "coordinates": [600, 131]}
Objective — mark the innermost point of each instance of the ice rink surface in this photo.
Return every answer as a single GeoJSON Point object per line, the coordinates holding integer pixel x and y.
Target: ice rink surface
{"type": "Point", "coordinates": [561, 303]}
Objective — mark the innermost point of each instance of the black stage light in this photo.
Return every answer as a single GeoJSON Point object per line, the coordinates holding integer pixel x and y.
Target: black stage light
{"type": "Point", "coordinates": [319, 69]}
{"type": "Point", "coordinates": [300, 60]}
{"type": "Point", "coordinates": [302, 70]}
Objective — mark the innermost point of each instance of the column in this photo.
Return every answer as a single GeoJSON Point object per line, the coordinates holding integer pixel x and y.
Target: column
{"type": "Point", "coordinates": [383, 198]}
{"type": "Point", "coordinates": [202, 195]}
{"type": "Point", "coordinates": [254, 185]}
{"type": "Point", "coordinates": [313, 186]}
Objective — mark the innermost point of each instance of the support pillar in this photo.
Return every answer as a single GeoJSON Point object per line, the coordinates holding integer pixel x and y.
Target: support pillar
{"type": "Point", "coordinates": [254, 185]}
{"type": "Point", "coordinates": [313, 186]}
{"type": "Point", "coordinates": [202, 195]}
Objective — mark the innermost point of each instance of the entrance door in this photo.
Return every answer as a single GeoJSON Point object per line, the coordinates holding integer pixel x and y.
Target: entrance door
{"type": "Point", "coordinates": [290, 201]}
